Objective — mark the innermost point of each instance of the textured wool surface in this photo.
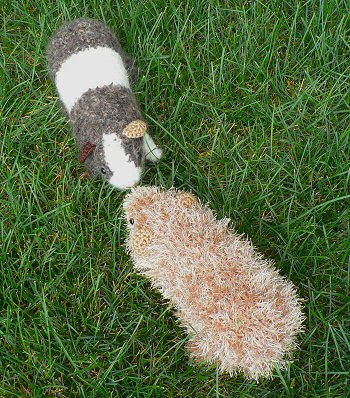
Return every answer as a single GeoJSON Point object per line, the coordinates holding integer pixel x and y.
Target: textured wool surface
{"type": "Point", "coordinates": [239, 312]}
{"type": "Point", "coordinates": [107, 109]}
{"type": "Point", "coordinates": [91, 72]}
{"type": "Point", "coordinates": [80, 34]}
{"type": "Point", "coordinates": [88, 69]}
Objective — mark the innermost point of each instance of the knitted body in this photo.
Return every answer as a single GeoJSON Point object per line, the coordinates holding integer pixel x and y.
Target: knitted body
{"type": "Point", "coordinates": [91, 72]}
{"type": "Point", "coordinates": [239, 312]}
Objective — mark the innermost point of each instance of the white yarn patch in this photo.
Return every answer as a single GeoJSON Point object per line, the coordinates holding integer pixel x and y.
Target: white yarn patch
{"type": "Point", "coordinates": [152, 152]}
{"type": "Point", "coordinates": [89, 69]}
{"type": "Point", "coordinates": [125, 173]}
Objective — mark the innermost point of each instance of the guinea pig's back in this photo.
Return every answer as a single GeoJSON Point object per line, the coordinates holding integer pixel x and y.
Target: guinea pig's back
{"type": "Point", "coordinates": [76, 36]}
{"type": "Point", "coordinates": [239, 311]}
{"type": "Point", "coordinates": [83, 55]}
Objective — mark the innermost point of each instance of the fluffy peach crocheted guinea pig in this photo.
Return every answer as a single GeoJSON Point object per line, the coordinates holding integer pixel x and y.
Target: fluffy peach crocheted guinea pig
{"type": "Point", "coordinates": [239, 312]}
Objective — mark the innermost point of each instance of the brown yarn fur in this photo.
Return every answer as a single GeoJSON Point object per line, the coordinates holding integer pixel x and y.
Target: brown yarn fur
{"type": "Point", "coordinates": [239, 312]}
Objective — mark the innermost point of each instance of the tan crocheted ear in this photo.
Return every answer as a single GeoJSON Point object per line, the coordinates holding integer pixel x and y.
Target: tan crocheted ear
{"type": "Point", "coordinates": [135, 129]}
{"type": "Point", "coordinates": [140, 241]}
{"type": "Point", "coordinates": [187, 199]}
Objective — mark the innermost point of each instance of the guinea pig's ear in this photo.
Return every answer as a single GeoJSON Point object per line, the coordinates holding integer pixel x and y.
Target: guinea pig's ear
{"type": "Point", "coordinates": [87, 150]}
{"type": "Point", "coordinates": [140, 241]}
{"type": "Point", "coordinates": [187, 199]}
{"type": "Point", "coordinates": [135, 129]}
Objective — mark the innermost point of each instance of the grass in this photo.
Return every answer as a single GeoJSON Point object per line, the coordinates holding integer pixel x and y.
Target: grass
{"type": "Point", "coordinates": [250, 101]}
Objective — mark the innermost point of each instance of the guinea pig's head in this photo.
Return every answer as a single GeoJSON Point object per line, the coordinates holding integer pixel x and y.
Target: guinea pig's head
{"type": "Point", "coordinates": [118, 159]}
{"type": "Point", "coordinates": [152, 213]}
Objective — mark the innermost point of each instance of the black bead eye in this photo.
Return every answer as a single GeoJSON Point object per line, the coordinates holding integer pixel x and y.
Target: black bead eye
{"type": "Point", "coordinates": [132, 221]}
{"type": "Point", "coordinates": [103, 170]}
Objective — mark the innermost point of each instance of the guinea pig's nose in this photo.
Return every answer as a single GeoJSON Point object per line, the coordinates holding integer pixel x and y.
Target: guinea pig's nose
{"type": "Point", "coordinates": [126, 178]}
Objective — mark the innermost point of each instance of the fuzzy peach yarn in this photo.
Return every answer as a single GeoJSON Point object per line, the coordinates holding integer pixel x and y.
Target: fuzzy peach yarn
{"type": "Point", "coordinates": [239, 312]}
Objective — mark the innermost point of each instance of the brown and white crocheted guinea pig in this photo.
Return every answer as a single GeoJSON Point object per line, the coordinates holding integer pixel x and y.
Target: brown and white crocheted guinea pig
{"type": "Point", "coordinates": [91, 72]}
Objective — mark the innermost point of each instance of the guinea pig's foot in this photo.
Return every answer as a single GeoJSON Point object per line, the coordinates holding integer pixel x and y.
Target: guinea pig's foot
{"type": "Point", "coordinates": [153, 153]}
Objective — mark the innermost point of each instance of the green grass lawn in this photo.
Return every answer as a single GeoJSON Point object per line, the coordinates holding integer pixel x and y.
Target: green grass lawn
{"type": "Point", "coordinates": [251, 103]}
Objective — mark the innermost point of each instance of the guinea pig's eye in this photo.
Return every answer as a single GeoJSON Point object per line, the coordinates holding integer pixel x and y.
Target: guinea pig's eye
{"type": "Point", "coordinates": [103, 170]}
{"type": "Point", "coordinates": [132, 221]}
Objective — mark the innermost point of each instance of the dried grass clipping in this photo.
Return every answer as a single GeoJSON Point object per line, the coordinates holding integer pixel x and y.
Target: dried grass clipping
{"type": "Point", "coordinates": [240, 313]}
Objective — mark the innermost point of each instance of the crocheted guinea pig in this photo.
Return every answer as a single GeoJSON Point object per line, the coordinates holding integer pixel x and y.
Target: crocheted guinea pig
{"type": "Point", "coordinates": [240, 313]}
{"type": "Point", "coordinates": [91, 72]}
